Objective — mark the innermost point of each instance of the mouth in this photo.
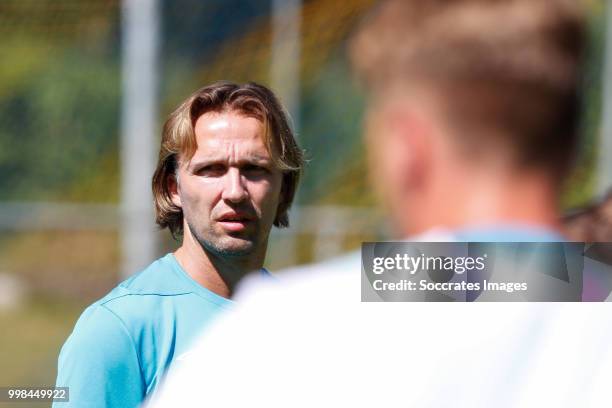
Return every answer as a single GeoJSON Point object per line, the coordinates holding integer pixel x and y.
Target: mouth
{"type": "Point", "coordinates": [235, 221]}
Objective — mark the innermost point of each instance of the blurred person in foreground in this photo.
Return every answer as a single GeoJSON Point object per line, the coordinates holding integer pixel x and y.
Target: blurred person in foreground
{"type": "Point", "coordinates": [471, 125]}
{"type": "Point", "coordinates": [228, 170]}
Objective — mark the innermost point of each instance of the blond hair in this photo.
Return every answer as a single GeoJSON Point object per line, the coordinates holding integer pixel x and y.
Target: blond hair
{"type": "Point", "coordinates": [504, 71]}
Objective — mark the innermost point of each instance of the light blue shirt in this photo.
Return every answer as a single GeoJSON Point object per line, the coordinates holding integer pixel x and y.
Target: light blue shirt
{"type": "Point", "coordinates": [508, 233]}
{"type": "Point", "coordinates": [122, 344]}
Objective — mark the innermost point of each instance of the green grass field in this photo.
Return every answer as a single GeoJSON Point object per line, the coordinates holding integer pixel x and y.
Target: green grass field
{"type": "Point", "coordinates": [31, 338]}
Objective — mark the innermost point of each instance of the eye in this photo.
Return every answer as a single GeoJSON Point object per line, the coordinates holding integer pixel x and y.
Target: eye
{"type": "Point", "coordinates": [211, 170]}
{"type": "Point", "coordinates": [254, 169]}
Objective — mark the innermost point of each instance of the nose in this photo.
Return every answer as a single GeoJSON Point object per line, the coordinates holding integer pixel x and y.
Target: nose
{"type": "Point", "coordinates": [234, 189]}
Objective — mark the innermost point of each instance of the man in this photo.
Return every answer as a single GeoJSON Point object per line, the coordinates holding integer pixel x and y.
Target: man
{"type": "Point", "coordinates": [471, 126]}
{"type": "Point", "coordinates": [228, 170]}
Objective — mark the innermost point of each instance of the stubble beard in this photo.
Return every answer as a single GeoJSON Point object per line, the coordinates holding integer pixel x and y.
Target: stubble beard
{"type": "Point", "coordinates": [213, 243]}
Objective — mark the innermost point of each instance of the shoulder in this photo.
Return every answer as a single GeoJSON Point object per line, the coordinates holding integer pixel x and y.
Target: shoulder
{"type": "Point", "coordinates": [346, 263]}
{"type": "Point", "coordinates": [111, 322]}
{"type": "Point", "coordinates": [99, 331]}
{"type": "Point", "coordinates": [98, 356]}
{"type": "Point", "coordinates": [163, 277]}
{"type": "Point", "coordinates": [145, 295]}
{"type": "Point", "coordinates": [329, 278]}
{"type": "Point", "coordinates": [100, 363]}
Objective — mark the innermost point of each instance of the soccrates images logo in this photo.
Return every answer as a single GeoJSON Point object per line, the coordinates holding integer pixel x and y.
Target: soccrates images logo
{"type": "Point", "coordinates": [485, 271]}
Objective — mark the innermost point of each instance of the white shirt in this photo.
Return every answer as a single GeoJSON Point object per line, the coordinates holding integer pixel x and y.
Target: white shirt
{"type": "Point", "coordinates": [310, 342]}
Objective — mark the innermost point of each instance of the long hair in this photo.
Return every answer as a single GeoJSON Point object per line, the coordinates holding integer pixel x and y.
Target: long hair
{"type": "Point", "coordinates": [179, 143]}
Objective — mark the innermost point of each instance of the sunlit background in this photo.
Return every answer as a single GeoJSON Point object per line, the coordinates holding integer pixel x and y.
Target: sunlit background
{"type": "Point", "coordinates": [84, 89]}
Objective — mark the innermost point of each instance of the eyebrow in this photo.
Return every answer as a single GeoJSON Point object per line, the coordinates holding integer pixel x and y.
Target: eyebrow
{"type": "Point", "coordinates": [212, 160]}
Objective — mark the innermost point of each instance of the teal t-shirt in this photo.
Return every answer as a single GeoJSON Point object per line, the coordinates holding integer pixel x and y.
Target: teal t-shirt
{"type": "Point", "coordinates": [122, 344]}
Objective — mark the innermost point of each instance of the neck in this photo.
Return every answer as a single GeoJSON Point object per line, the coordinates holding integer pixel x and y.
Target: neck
{"type": "Point", "coordinates": [488, 200]}
{"type": "Point", "coordinates": [218, 274]}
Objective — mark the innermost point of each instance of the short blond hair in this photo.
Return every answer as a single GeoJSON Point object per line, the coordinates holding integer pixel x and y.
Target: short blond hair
{"type": "Point", "coordinates": [504, 71]}
{"type": "Point", "coordinates": [179, 143]}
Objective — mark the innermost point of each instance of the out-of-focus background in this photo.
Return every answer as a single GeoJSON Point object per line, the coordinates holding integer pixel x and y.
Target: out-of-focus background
{"type": "Point", "coordinates": [85, 86]}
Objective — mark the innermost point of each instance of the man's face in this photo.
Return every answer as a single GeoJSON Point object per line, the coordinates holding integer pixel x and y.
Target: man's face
{"type": "Point", "coordinates": [230, 189]}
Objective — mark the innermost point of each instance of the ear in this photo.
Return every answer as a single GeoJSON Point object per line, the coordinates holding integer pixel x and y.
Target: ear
{"type": "Point", "coordinates": [173, 189]}
{"type": "Point", "coordinates": [411, 127]}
